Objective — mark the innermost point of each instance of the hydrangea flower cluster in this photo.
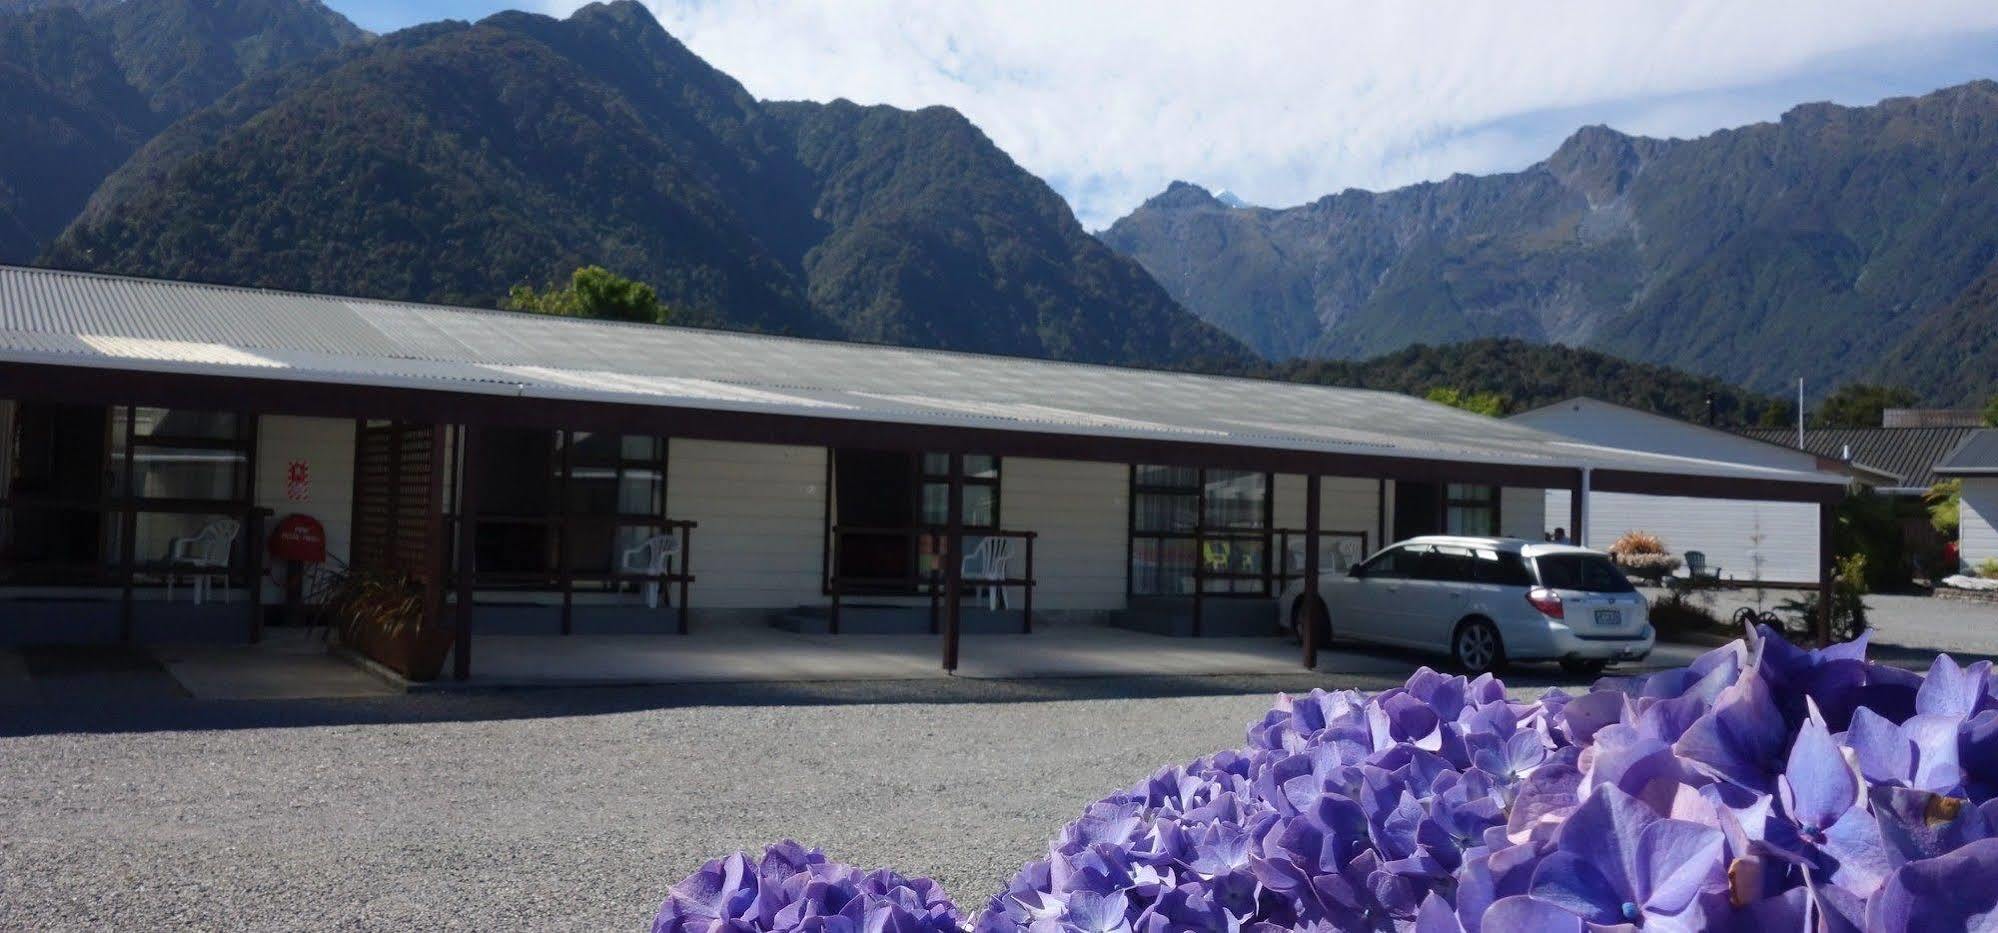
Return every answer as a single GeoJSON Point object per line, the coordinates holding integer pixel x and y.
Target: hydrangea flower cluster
{"type": "Point", "coordinates": [795, 888]}
{"type": "Point", "coordinates": [1762, 787]}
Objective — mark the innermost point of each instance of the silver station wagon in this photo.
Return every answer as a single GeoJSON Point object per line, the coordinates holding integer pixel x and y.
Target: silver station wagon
{"type": "Point", "coordinates": [1488, 601]}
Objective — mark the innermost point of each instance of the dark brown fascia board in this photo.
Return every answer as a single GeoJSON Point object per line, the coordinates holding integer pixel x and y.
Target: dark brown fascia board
{"type": "Point", "coordinates": [88, 384]}
{"type": "Point", "coordinates": [1714, 487]}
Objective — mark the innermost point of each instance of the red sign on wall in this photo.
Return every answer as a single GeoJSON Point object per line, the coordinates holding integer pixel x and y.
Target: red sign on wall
{"type": "Point", "coordinates": [298, 481]}
{"type": "Point", "coordinates": [299, 538]}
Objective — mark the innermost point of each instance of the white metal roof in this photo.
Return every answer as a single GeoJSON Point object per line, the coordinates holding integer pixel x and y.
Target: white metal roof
{"type": "Point", "coordinates": [82, 319]}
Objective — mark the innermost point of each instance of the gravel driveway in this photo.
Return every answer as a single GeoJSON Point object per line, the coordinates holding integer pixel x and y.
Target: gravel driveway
{"type": "Point", "coordinates": [575, 809]}
{"type": "Point", "coordinates": [576, 821]}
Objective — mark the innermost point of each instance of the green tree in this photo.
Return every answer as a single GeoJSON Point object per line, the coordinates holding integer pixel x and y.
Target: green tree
{"type": "Point", "coordinates": [1484, 403]}
{"type": "Point", "coordinates": [593, 292]}
{"type": "Point", "coordinates": [1991, 412]}
{"type": "Point", "coordinates": [1945, 504]}
{"type": "Point", "coordinates": [1859, 404]}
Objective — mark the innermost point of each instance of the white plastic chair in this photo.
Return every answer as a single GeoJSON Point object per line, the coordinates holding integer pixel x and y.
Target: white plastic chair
{"type": "Point", "coordinates": [203, 556]}
{"type": "Point", "coordinates": [653, 557]}
{"type": "Point", "coordinates": [991, 561]}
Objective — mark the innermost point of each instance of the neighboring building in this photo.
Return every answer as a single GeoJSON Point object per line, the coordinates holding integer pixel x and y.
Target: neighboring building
{"type": "Point", "coordinates": [1774, 541]}
{"type": "Point", "coordinates": [1931, 418]}
{"type": "Point", "coordinates": [1975, 462]}
{"type": "Point", "coordinates": [1909, 453]}
{"type": "Point", "coordinates": [511, 463]}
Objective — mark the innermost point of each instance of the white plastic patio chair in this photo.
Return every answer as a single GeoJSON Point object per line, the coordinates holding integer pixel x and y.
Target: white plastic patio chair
{"type": "Point", "coordinates": [991, 561]}
{"type": "Point", "coordinates": [203, 556]}
{"type": "Point", "coordinates": [652, 557]}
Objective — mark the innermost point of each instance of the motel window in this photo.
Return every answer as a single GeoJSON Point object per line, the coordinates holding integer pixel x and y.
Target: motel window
{"type": "Point", "coordinates": [74, 473]}
{"type": "Point", "coordinates": [1183, 518]}
{"type": "Point", "coordinates": [884, 502]}
{"type": "Point", "coordinates": [1470, 509]}
{"type": "Point", "coordinates": [556, 503]}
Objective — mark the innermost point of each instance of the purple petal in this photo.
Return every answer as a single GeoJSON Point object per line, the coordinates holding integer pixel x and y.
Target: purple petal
{"type": "Point", "coordinates": [1818, 786]}
{"type": "Point", "coordinates": [1957, 891]}
{"type": "Point", "coordinates": [1950, 690]}
{"type": "Point", "coordinates": [1525, 914]}
{"type": "Point", "coordinates": [1678, 860]}
{"type": "Point", "coordinates": [1884, 753]}
{"type": "Point", "coordinates": [1576, 885]}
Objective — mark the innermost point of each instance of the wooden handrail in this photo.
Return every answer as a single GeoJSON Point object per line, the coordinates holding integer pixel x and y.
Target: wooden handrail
{"type": "Point", "coordinates": [929, 584]}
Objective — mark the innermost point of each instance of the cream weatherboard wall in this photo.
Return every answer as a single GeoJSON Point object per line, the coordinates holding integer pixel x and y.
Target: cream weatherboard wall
{"type": "Point", "coordinates": [1732, 533]}
{"type": "Point", "coordinates": [1979, 537]}
{"type": "Point", "coordinates": [761, 509]}
{"type": "Point", "coordinates": [1523, 513]}
{"type": "Point", "coordinates": [1081, 513]}
{"type": "Point", "coordinates": [1345, 503]}
{"type": "Point", "coordinates": [322, 450]}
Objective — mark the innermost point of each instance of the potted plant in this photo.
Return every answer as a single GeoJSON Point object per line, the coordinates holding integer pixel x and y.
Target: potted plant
{"type": "Point", "coordinates": [1642, 554]}
{"type": "Point", "coordinates": [381, 616]}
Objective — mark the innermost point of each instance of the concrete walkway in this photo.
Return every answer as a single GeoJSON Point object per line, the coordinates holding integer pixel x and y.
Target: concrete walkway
{"type": "Point", "coordinates": [760, 654]}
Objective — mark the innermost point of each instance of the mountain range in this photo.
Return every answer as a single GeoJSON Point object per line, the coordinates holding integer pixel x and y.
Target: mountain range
{"type": "Point", "coordinates": [452, 161]}
{"type": "Point", "coordinates": [1838, 243]}
{"type": "Point", "coordinates": [272, 143]}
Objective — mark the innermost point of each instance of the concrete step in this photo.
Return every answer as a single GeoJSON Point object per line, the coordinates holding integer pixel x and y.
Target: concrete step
{"type": "Point", "coordinates": [1220, 617]}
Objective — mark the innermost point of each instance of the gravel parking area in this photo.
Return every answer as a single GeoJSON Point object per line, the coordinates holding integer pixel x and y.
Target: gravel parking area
{"type": "Point", "coordinates": [126, 805]}
{"type": "Point", "coordinates": [572, 821]}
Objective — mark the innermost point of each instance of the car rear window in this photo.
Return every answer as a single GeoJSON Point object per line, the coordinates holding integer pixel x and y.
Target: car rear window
{"type": "Point", "coordinates": [1588, 573]}
{"type": "Point", "coordinates": [1501, 568]}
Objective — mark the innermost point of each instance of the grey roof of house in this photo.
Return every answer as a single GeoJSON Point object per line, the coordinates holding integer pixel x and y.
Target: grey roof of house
{"type": "Point", "coordinates": [1913, 453]}
{"type": "Point", "coordinates": [90, 320]}
{"type": "Point", "coordinates": [1977, 454]}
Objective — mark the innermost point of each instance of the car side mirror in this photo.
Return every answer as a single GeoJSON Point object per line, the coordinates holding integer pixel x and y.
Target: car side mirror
{"type": "Point", "coordinates": [1357, 571]}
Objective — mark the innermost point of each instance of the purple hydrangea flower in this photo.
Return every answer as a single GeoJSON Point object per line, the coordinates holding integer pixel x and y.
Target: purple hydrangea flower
{"type": "Point", "coordinates": [1762, 787]}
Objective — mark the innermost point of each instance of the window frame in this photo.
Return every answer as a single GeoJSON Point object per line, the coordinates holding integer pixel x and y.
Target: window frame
{"type": "Point", "coordinates": [118, 507]}
{"type": "Point", "coordinates": [1489, 504]}
{"type": "Point", "coordinates": [568, 523]}
{"type": "Point", "coordinates": [1263, 533]}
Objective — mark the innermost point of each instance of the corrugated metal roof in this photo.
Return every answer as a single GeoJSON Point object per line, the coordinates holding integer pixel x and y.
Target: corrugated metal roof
{"type": "Point", "coordinates": [1978, 453]}
{"type": "Point", "coordinates": [1912, 453]}
{"type": "Point", "coordinates": [70, 318]}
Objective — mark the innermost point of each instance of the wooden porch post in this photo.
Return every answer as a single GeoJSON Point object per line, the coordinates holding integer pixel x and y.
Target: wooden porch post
{"type": "Point", "coordinates": [953, 559]}
{"type": "Point", "coordinates": [1309, 618]}
{"type": "Point", "coordinates": [1380, 513]}
{"type": "Point", "coordinates": [1576, 494]}
{"type": "Point", "coordinates": [1827, 518]}
{"type": "Point", "coordinates": [467, 562]}
{"type": "Point", "coordinates": [128, 521]}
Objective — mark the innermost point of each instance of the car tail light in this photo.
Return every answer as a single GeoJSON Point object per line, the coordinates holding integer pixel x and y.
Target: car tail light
{"type": "Point", "coordinates": [1547, 601]}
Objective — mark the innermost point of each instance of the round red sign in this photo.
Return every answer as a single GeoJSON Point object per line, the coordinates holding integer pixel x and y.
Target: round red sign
{"type": "Point", "coordinates": [299, 538]}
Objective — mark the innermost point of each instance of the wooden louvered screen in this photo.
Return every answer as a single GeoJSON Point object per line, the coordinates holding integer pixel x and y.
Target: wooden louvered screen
{"type": "Point", "coordinates": [394, 518]}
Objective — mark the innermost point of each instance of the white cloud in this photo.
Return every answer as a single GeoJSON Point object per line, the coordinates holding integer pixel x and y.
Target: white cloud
{"type": "Point", "coordinates": [1286, 100]}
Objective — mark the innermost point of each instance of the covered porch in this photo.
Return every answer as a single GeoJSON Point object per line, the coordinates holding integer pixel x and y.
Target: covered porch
{"type": "Point", "coordinates": [534, 477]}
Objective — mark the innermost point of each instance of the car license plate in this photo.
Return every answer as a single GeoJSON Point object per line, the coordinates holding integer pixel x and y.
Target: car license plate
{"type": "Point", "coordinates": [1609, 617]}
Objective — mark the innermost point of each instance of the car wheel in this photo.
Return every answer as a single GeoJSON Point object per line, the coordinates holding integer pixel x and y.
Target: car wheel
{"type": "Point", "coordinates": [1582, 668]}
{"type": "Point", "coordinates": [1302, 610]}
{"type": "Point", "coordinates": [1476, 647]}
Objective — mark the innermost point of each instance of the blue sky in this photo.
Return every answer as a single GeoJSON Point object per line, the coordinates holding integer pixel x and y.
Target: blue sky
{"type": "Point", "coordinates": [1282, 101]}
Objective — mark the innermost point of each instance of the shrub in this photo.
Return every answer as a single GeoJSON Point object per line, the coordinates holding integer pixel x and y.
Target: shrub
{"type": "Point", "coordinates": [1761, 787]}
{"type": "Point", "coordinates": [1686, 610]}
{"type": "Point", "coordinates": [1848, 619]}
{"type": "Point", "coordinates": [1987, 568]}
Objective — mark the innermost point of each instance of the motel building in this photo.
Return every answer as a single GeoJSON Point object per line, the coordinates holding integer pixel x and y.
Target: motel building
{"type": "Point", "coordinates": [184, 460]}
